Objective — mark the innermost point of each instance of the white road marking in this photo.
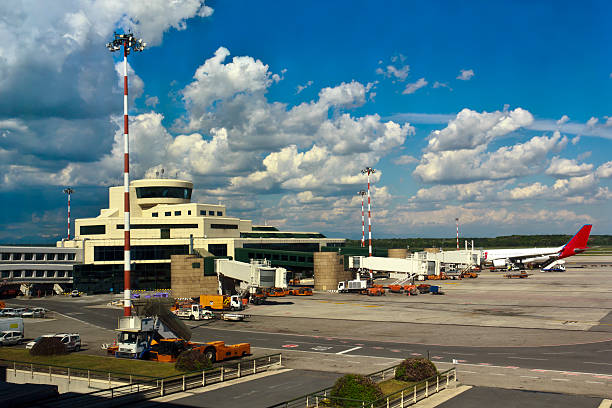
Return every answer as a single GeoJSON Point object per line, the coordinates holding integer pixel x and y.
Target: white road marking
{"type": "Point", "coordinates": [594, 382]}
{"type": "Point", "coordinates": [496, 374]}
{"type": "Point", "coordinates": [349, 350]}
{"type": "Point", "coordinates": [465, 371]}
{"type": "Point", "coordinates": [530, 358]}
{"type": "Point", "coordinates": [528, 376]}
{"type": "Point", "coordinates": [593, 362]}
{"type": "Point", "coordinates": [559, 379]}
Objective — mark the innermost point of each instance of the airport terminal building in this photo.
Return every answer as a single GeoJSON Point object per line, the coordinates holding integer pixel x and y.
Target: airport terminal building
{"type": "Point", "coordinates": [165, 222]}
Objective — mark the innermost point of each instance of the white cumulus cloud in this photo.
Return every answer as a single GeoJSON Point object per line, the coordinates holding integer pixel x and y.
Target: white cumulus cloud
{"type": "Point", "coordinates": [415, 86]}
{"type": "Point", "coordinates": [465, 74]}
{"type": "Point", "coordinates": [561, 168]}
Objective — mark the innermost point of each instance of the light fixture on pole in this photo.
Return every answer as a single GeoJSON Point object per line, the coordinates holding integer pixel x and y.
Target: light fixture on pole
{"type": "Point", "coordinates": [68, 191]}
{"type": "Point", "coordinates": [368, 171]}
{"type": "Point", "coordinates": [362, 193]}
{"type": "Point", "coordinates": [129, 43]}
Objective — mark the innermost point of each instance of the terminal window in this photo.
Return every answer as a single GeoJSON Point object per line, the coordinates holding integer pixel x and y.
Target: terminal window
{"type": "Point", "coordinates": [92, 229]}
{"type": "Point", "coordinates": [202, 212]}
{"type": "Point", "coordinates": [154, 214]}
{"type": "Point", "coordinates": [219, 213]}
{"type": "Point", "coordinates": [163, 192]}
{"type": "Point", "coordinates": [224, 226]}
{"type": "Point", "coordinates": [211, 213]}
{"type": "Point", "coordinates": [177, 213]}
{"type": "Point", "coordinates": [218, 249]}
{"type": "Point", "coordinates": [168, 213]}
{"type": "Point", "coordinates": [188, 212]}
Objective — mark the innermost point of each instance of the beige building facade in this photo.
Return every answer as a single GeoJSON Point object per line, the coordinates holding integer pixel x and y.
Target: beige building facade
{"type": "Point", "coordinates": [164, 222]}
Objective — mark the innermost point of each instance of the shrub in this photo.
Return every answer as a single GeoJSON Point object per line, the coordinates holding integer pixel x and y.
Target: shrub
{"type": "Point", "coordinates": [48, 346]}
{"type": "Point", "coordinates": [191, 360]}
{"type": "Point", "coordinates": [356, 387]}
{"type": "Point", "coordinates": [415, 369]}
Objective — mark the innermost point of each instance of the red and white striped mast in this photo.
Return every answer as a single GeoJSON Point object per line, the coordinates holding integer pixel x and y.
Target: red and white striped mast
{"type": "Point", "coordinates": [68, 191]}
{"type": "Point", "coordinates": [457, 221]}
{"type": "Point", "coordinates": [362, 193]}
{"type": "Point", "coordinates": [368, 171]}
{"type": "Point", "coordinates": [129, 43]}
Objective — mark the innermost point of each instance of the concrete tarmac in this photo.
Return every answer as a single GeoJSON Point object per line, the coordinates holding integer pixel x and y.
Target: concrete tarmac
{"type": "Point", "coordinates": [548, 324]}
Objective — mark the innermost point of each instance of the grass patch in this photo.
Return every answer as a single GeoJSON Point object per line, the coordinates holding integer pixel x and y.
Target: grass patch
{"type": "Point", "coordinates": [89, 362]}
{"type": "Point", "coordinates": [392, 385]}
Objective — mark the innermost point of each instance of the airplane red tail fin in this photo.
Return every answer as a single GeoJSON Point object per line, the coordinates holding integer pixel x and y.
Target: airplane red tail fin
{"type": "Point", "coordinates": [578, 243]}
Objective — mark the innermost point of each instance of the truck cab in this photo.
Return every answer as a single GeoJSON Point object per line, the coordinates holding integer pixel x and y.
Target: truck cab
{"type": "Point", "coordinates": [194, 312]}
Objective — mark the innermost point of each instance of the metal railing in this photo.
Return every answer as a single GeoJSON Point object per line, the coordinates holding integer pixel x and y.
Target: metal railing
{"type": "Point", "coordinates": [159, 387]}
{"type": "Point", "coordinates": [405, 397]}
{"type": "Point", "coordinates": [99, 377]}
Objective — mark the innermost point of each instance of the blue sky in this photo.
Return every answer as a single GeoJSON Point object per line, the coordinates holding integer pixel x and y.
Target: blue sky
{"type": "Point", "coordinates": [496, 113]}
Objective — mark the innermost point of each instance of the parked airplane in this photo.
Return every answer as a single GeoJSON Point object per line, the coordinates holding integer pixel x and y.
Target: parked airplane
{"type": "Point", "coordinates": [540, 256]}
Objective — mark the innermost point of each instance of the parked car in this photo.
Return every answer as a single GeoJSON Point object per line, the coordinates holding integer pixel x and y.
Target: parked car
{"type": "Point", "coordinates": [75, 293]}
{"type": "Point", "coordinates": [10, 338]}
{"type": "Point", "coordinates": [36, 312]}
{"type": "Point", "coordinates": [71, 340]}
{"type": "Point", "coordinates": [8, 312]}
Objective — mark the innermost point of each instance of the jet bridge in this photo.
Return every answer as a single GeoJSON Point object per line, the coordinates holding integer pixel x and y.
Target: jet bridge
{"type": "Point", "coordinates": [397, 267]}
{"type": "Point", "coordinates": [256, 274]}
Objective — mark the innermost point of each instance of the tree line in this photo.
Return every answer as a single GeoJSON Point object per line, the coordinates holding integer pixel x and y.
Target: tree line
{"type": "Point", "coordinates": [509, 241]}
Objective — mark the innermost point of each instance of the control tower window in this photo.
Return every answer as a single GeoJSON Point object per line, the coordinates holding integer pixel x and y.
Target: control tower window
{"type": "Point", "coordinates": [163, 192]}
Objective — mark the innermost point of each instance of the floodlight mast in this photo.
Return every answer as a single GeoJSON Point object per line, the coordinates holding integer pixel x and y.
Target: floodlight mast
{"type": "Point", "coordinates": [129, 43]}
{"type": "Point", "coordinates": [368, 171]}
{"type": "Point", "coordinates": [362, 193]}
{"type": "Point", "coordinates": [68, 191]}
{"type": "Point", "coordinates": [457, 221]}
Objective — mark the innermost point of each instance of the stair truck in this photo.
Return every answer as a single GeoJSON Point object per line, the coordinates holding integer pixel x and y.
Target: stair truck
{"type": "Point", "coordinates": [162, 337]}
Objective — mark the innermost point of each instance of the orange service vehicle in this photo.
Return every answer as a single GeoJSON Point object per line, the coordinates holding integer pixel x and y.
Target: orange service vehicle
{"type": "Point", "coordinates": [300, 292]}
{"type": "Point", "coordinates": [168, 350]}
{"type": "Point", "coordinates": [275, 292]}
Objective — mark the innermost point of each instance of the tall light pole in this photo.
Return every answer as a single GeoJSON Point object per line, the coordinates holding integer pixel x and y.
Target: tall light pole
{"type": "Point", "coordinates": [129, 43]}
{"type": "Point", "coordinates": [68, 191]}
{"type": "Point", "coordinates": [362, 193]}
{"type": "Point", "coordinates": [457, 221]}
{"type": "Point", "coordinates": [368, 171]}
